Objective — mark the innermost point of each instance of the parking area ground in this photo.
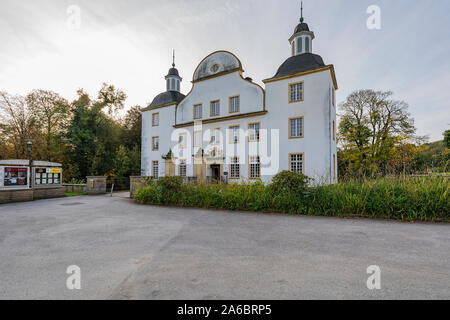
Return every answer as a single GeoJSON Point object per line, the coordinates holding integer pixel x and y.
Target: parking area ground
{"type": "Point", "coordinates": [131, 251]}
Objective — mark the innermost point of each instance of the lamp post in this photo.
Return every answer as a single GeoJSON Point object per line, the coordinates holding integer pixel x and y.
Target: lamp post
{"type": "Point", "coordinates": [29, 147]}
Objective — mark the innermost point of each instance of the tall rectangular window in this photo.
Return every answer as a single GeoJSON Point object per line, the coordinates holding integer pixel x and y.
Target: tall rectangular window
{"type": "Point", "coordinates": [253, 131]}
{"type": "Point", "coordinates": [198, 111]}
{"type": "Point", "coordinates": [182, 140]}
{"type": "Point", "coordinates": [299, 45]}
{"type": "Point", "coordinates": [296, 128]}
{"type": "Point", "coordinates": [254, 167]}
{"type": "Point", "coordinates": [234, 104]}
{"type": "Point", "coordinates": [296, 162]}
{"type": "Point", "coordinates": [234, 134]}
{"type": "Point", "coordinates": [333, 97]}
{"type": "Point", "coordinates": [235, 169]}
{"type": "Point", "coordinates": [296, 91]}
{"type": "Point", "coordinates": [215, 136]}
{"type": "Point", "coordinates": [334, 131]}
{"type": "Point", "coordinates": [197, 139]}
{"type": "Point", "coordinates": [155, 169]}
{"type": "Point", "coordinates": [214, 108]}
{"type": "Point", "coordinates": [182, 168]}
{"type": "Point", "coordinates": [155, 119]}
{"type": "Point", "coordinates": [155, 143]}
{"type": "Point", "coordinates": [334, 166]}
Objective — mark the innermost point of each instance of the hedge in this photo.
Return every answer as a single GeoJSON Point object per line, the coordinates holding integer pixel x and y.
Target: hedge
{"type": "Point", "coordinates": [423, 199]}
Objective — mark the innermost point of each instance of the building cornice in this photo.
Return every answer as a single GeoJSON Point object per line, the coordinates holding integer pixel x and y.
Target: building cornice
{"type": "Point", "coordinates": [221, 119]}
{"type": "Point", "coordinates": [304, 73]}
{"type": "Point", "coordinates": [223, 73]}
{"type": "Point", "coordinates": [158, 107]}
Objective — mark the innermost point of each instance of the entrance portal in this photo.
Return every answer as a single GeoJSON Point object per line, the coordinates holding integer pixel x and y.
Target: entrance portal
{"type": "Point", "coordinates": [215, 172]}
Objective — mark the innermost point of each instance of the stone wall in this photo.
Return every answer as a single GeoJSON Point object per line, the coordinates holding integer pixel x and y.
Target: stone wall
{"type": "Point", "coordinates": [136, 183]}
{"type": "Point", "coordinates": [96, 185]}
{"type": "Point", "coordinates": [47, 193]}
{"type": "Point", "coordinates": [77, 188]}
{"type": "Point", "coordinates": [7, 196]}
{"type": "Point", "coordinates": [17, 195]}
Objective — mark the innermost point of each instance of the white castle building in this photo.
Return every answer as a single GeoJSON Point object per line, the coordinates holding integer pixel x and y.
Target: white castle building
{"type": "Point", "coordinates": [229, 128]}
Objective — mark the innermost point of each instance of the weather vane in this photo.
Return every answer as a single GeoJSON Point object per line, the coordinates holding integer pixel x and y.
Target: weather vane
{"type": "Point", "coordinates": [173, 61]}
{"type": "Point", "coordinates": [301, 11]}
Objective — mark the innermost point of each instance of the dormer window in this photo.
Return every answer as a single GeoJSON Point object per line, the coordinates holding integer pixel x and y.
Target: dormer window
{"type": "Point", "coordinates": [307, 44]}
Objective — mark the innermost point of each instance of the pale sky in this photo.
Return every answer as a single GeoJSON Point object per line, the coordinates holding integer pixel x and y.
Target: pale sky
{"type": "Point", "coordinates": [129, 44]}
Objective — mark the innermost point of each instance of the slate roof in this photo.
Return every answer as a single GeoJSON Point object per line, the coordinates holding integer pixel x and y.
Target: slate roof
{"type": "Point", "coordinates": [166, 97]}
{"type": "Point", "coordinates": [300, 63]}
{"type": "Point", "coordinates": [301, 27]}
{"type": "Point", "coordinates": [173, 72]}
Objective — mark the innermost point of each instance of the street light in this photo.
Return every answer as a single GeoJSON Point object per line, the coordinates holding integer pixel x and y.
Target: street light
{"type": "Point", "coordinates": [29, 144]}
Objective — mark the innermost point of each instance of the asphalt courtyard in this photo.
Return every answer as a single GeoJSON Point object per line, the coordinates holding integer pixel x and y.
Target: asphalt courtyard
{"type": "Point", "coordinates": [130, 251]}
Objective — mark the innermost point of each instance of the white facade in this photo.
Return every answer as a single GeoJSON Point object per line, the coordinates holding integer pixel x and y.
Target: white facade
{"type": "Point", "coordinates": [227, 100]}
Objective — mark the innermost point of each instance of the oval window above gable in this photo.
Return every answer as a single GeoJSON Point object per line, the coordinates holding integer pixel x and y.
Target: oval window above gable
{"type": "Point", "coordinates": [214, 68]}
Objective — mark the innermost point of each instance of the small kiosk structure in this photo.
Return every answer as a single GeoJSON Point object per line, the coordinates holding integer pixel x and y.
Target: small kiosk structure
{"type": "Point", "coordinates": [19, 182]}
{"type": "Point", "coordinates": [47, 174]}
{"type": "Point", "coordinates": [14, 174]}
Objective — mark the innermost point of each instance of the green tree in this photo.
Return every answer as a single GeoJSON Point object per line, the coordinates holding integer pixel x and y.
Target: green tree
{"type": "Point", "coordinates": [447, 139]}
{"type": "Point", "coordinates": [52, 117]}
{"type": "Point", "coordinates": [132, 128]}
{"type": "Point", "coordinates": [122, 162]}
{"type": "Point", "coordinates": [93, 134]}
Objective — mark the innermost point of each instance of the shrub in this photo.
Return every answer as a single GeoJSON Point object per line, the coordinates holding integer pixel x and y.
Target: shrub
{"type": "Point", "coordinates": [424, 199]}
{"type": "Point", "coordinates": [289, 182]}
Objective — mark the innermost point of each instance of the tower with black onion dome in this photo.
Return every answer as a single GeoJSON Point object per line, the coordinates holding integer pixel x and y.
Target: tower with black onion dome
{"type": "Point", "coordinates": [301, 40]}
{"type": "Point", "coordinates": [173, 79]}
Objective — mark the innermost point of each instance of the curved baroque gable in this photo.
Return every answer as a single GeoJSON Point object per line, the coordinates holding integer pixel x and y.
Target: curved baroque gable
{"type": "Point", "coordinates": [216, 63]}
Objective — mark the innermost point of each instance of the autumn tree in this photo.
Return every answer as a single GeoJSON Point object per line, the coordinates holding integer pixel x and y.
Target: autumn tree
{"type": "Point", "coordinates": [372, 125]}
{"type": "Point", "coordinates": [17, 123]}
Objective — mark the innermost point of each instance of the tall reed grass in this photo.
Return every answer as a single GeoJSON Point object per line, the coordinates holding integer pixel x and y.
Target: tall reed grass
{"type": "Point", "coordinates": [422, 199]}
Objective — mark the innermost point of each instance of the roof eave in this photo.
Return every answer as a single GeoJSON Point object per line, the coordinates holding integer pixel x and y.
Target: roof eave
{"type": "Point", "coordinates": [303, 73]}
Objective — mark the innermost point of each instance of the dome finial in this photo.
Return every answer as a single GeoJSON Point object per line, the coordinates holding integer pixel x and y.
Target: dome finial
{"type": "Point", "coordinates": [173, 57]}
{"type": "Point", "coordinates": [301, 12]}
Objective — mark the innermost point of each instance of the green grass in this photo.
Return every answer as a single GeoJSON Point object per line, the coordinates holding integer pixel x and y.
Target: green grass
{"type": "Point", "coordinates": [421, 198]}
{"type": "Point", "coordinates": [71, 194]}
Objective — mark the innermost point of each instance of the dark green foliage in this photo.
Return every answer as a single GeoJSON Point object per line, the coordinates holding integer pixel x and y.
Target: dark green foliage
{"type": "Point", "coordinates": [289, 182]}
{"type": "Point", "coordinates": [447, 139]}
{"type": "Point", "coordinates": [425, 199]}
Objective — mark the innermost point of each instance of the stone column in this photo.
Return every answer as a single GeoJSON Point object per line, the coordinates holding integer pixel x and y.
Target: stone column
{"type": "Point", "coordinates": [137, 182]}
{"type": "Point", "coordinates": [95, 185]}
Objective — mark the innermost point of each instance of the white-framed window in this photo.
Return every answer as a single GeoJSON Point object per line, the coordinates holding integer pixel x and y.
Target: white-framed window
{"type": "Point", "coordinates": [198, 111]}
{"type": "Point", "coordinates": [234, 104]}
{"type": "Point", "coordinates": [296, 91]}
{"type": "Point", "coordinates": [214, 109]}
{"type": "Point", "coordinates": [296, 127]}
{"type": "Point", "coordinates": [296, 162]}
{"type": "Point", "coordinates": [182, 140]}
{"type": "Point", "coordinates": [182, 168]}
{"type": "Point", "coordinates": [155, 143]}
{"type": "Point", "coordinates": [155, 169]}
{"type": "Point", "coordinates": [235, 169]}
{"type": "Point", "coordinates": [215, 136]}
{"type": "Point", "coordinates": [155, 119]}
{"type": "Point", "coordinates": [197, 139]}
{"type": "Point", "coordinates": [254, 169]}
{"type": "Point", "coordinates": [234, 134]}
{"type": "Point", "coordinates": [253, 131]}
